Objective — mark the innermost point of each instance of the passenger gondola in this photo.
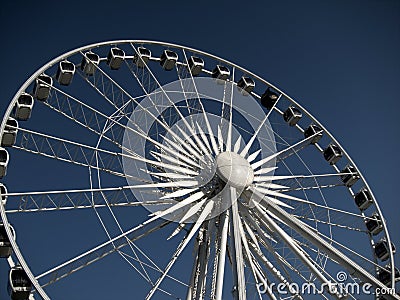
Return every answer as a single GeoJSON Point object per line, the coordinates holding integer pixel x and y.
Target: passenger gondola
{"type": "Point", "coordinates": [23, 107]}
{"type": "Point", "coordinates": [65, 72]}
{"type": "Point", "coordinates": [42, 87]}
{"type": "Point", "coordinates": [3, 194]}
{"type": "Point", "coordinates": [3, 162]}
{"type": "Point", "coordinates": [363, 199]}
{"type": "Point", "coordinates": [292, 115]}
{"type": "Point", "coordinates": [269, 98]}
{"type": "Point", "coordinates": [10, 133]}
{"type": "Point", "coordinates": [19, 285]}
{"type": "Point", "coordinates": [5, 244]}
{"type": "Point", "coordinates": [313, 130]}
{"type": "Point", "coordinates": [385, 275]}
{"type": "Point", "coordinates": [196, 65]}
{"type": "Point", "coordinates": [382, 250]}
{"type": "Point", "coordinates": [115, 58]}
{"type": "Point", "coordinates": [374, 224]}
{"type": "Point", "coordinates": [89, 63]}
{"type": "Point", "coordinates": [141, 57]}
{"type": "Point", "coordinates": [350, 175]}
{"type": "Point", "coordinates": [332, 154]}
{"type": "Point", "coordinates": [168, 60]}
{"type": "Point", "coordinates": [221, 73]}
{"type": "Point", "coordinates": [246, 85]}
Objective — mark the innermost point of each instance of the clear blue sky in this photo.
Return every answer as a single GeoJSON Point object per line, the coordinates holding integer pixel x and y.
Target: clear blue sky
{"type": "Point", "coordinates": [339, 59]}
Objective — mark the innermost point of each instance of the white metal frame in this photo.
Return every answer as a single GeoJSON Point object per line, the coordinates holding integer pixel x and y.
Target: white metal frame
{"type": "Point", "coordinates": [272, 208]}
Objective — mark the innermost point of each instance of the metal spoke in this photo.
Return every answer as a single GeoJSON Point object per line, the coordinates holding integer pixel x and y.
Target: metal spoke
{"type": "Point", "coordinates": [239, 288]}
{"type": "Point", "coordinates": [255, 135]}
{"type": "Point", "coordinates": [219, 265]}
{"type": "Point", "coordinates": [97, 253]}
{"type": "Point", "coordinates": [285, 153]}
{"type": "Point", "coordinates": [84, 115]}
{"type": "Point", "coordinates": [303, 229]}
{"type": "Point", "coordinates": [181, 247]}
{"type": "Point", "coordinates": [179, 113]}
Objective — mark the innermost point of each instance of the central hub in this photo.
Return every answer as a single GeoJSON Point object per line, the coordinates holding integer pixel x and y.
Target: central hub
{"type": "Point", "coordinates": [234, 170]}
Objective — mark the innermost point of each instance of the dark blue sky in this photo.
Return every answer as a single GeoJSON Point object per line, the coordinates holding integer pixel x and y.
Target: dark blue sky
{"type": "Point", "coordinates": [339, 59]}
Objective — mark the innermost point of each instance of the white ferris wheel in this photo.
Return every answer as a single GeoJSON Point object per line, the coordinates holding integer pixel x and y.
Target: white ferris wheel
{"type": "Point", "coordinates": [198, 178]}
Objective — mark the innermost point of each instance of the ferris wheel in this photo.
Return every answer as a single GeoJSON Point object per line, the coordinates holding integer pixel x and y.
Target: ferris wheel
{"type": "Point", "coordinates": [180, 175]}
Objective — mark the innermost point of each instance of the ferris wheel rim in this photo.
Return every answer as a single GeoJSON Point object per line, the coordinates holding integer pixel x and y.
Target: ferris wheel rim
{"type": "Point", "coordinates": [165, 44]}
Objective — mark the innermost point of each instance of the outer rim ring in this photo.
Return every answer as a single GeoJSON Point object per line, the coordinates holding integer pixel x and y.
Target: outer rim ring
{"type": "Point", "coordinates": [14, 245]}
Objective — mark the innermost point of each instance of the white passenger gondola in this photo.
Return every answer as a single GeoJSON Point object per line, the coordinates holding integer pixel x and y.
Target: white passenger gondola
{"type": "Point", "coordinates": [168, 59]}
{"type": "Point", "coordinates": [385, 275]}
{"type": "Point", "coordinates": [332, 154]}
{"type": "Point", "coordinates": [89, 63]}
{"type": "Point", "coordinates": [42, 87]}
{"type": "Point", "coordinates": [246, 85]}
{"type": "Point", "coordinates": [65, 72]}
{"type": "Point", "coordinates": [9, 133]}
{"type": "Point", "coordinates": [221, 73]}
{"type": "Point", "coordinates": [5, 244]}
{"type": "Point", "coordinates": [4, 157]}
{"type": "Point", "coordinates": [350, 175]}
{"type": "Point", "coordinates": [269, 98]}
{"type": "Point", "coordinates": [196, 65]}
{"type": "Point", "coordinates": [19, 285]}
{"type": "Point", "coordinates": [115, 58]}
{"type": "Point", "coordinates": [363, 199]}
{"type": "Point", "coordinates": [23, 107]}
{"type": "Point", "coordinates": [141, 57]}
{"type": "Point", "coordinates": [292, 115]}
{"type": "Point", "coordinates": [382, 250]}
{"type": "Point", "coordinates": [374, 224]}
{"type": "Point", "coordinates": [3, 194]}
{"type": "Point", "coordinates": [313, 130]}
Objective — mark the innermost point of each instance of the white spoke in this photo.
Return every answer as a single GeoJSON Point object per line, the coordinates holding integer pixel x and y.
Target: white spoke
{"type": "Point", "coordinates": [254, 136]}
{"type": "Point", "coordinates": [77, 199]}
{"type": "Point", "coordinates": [181, 247]}
{"type": "Point", "coordinates": [264, 170]}
{"type": "Point", "coordinates": [265, 239]}
{"type": "Point", "coordinates": [283, 178]}
{"type": "Point", "coordinates": [276, 201]}
{"type": "Point", "coordinates": [193, 210]}
{"type": "Point", "coordinates": [236, 147]}
{"type": "Point", "coordinates": [183, 119]}
{"type": "Point", "coordinates": [98, 252]}
{"type": "Point", "coordinates": [91, 113]}
{"type": "Point", "coordinates": [204, 138]}
{"type": "Point", "coordinates": [186, 183]}
{"type": "Point", "coordinates": [169, 175]}
{"type": "Point", "coordinates": [229, 137]}
{"type": "Point", "coordinates": [256, 273]}
{"type": "Point", "coordinates": [285, 152]}
{"type": "Point", "coordinates": [170, 159]}
{"type": "Point", "coordinates": [220, 140]}
{"type": "Point", "coordinates": [253, 156]}
{"type": "Point", "coordinates": [221, 253]}
{"type": "Point", "coordinates": [212, 137]}
{"type": "Point", "coordinates": [163, 124]}
{"type": "Point", "coordinates": [237, 256]}
{"type": "Point", "coordinates": [192, 198]}
{"type": "Point", "coordinates": [275, 193]}
{"type": "Point", "coordinates": [308, 233]}
{"type": "Point", "coordinates": [294, 247]}
{"type": "Point", "coordinates": [179, 193]}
